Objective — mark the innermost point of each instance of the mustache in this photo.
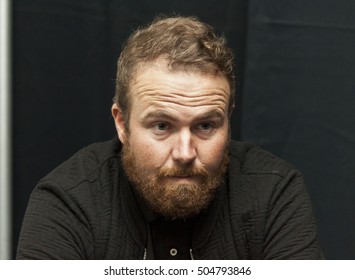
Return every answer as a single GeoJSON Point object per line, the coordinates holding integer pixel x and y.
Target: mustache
{"type": "Point", "coordinates": [182, 172]}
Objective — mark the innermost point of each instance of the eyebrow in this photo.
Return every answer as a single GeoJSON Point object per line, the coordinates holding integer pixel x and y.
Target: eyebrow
{"type": "Point", "coordinates": [162, 114]}
{"type": "Point", "coordinates": [210, 115]}
{"type": "Point", "coordinates": [157, 114]}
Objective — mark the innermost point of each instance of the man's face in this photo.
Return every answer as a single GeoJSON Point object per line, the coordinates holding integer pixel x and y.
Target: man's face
{"type": "Point", "coordinates": [175, 152]}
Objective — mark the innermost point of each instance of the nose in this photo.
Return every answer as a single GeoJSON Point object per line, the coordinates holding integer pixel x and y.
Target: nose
{"type": "Point", "coordinates": [184, 150]}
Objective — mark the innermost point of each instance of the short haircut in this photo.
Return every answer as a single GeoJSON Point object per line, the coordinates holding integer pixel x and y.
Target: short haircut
{"type": "Point", "coordinates": [185, 43]}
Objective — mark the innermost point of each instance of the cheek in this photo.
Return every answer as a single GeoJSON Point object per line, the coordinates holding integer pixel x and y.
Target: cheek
{"type": "Point", "coordinates": [149, 155]}
{"type": "Point", "coordinates": [211, 154]}
{"type": "Point", "coordinates": [142, 152]}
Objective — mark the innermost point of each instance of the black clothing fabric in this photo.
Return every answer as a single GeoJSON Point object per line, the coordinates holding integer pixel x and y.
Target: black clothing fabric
{"type": "Point", "coordinates": [86, 209]}
{"type": "Point", "coordinates": [166, 239]}
{"type": "Point", "coordinates": [171, 239]}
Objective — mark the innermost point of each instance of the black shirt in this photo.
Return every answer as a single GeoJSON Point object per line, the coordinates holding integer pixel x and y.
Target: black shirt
{"type": "Point", "coordinates": [167, 239]}
{"type": "Point", "coordinates": [85, 209]}
{"type": "Point", "coordinates": [171, 239]}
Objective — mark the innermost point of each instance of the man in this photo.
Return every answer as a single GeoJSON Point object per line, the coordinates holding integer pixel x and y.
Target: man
{"type": "Point", "coordinates": [174, 186]}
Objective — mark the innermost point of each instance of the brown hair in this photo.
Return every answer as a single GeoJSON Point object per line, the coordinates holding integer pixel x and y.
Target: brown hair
{"type": "Point", "coordinates": [185, 43]}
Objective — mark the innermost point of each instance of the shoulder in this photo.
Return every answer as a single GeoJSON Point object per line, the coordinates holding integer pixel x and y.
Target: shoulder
{"type": "Point", "coordinates": [252, 159]}
{"type": "Point", "coordinates": [72, 205]}
{"type": "Point", "coordinates": [260, 175]}
{"type": "Point", "coordinates": [85, 186]}
{"type": "Point", "coordinates": [86, 166]}
{"type": "Point", "coordinates": [269, 202]}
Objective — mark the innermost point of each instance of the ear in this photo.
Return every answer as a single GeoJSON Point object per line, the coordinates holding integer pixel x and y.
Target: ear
{"type": "Point", "coordinates": [119, 122]}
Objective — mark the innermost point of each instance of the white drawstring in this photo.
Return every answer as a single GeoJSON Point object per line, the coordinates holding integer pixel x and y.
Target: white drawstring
{"type": "Point", "coordinates": [191, 255]}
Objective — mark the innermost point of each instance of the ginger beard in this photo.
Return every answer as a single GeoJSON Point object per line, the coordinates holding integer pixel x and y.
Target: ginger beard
{"type": "Point", "coordinates": [174, 200]}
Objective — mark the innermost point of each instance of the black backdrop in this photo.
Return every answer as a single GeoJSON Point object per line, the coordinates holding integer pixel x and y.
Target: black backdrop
{"type": "Point", "coordinates": [295, 89]}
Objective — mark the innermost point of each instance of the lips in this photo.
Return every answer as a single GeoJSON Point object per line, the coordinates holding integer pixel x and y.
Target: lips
{"type": "Point", "coordinates": [179, 174]}
{"type": "Point", "coordinates": [180, 178]}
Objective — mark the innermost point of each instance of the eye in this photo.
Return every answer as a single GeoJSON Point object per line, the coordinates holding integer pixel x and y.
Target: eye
{"type": "Point", "coordinates": [161, 126]}
{"type": "Point", "coordinates": [205, 126]}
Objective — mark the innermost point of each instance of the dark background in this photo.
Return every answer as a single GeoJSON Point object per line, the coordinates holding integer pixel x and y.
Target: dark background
{"type": "Point", "coordinates": [296, 89]}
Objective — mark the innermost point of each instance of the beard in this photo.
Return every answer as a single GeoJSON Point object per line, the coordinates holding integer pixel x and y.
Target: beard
{"type": "Point", "coordinates": [174, 200]}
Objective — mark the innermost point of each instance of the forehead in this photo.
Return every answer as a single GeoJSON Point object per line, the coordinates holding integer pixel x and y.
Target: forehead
{"type": "Point", "coordinates": [155, 82]}
{"type": "Point", "coordinates": [161, 65]}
